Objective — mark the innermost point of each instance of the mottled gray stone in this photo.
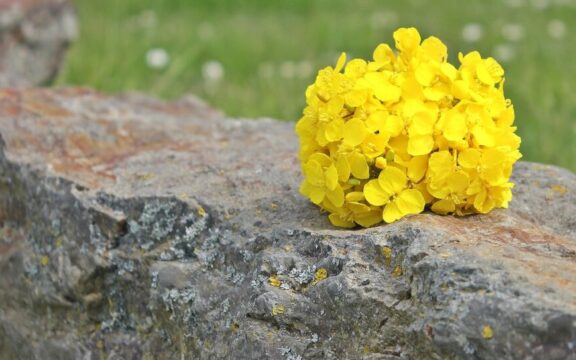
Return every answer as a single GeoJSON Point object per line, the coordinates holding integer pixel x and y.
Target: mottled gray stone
{"type": "Point", "coordinates": [134, 228]}
{"type": "Point", "coordinates": [34, 37]}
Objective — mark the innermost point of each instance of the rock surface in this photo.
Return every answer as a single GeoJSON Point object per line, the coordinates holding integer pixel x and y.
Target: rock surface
{"type": "Point", "coordinates": [138, 229]}
{"type": "Point", "coordinates": [34, 37]}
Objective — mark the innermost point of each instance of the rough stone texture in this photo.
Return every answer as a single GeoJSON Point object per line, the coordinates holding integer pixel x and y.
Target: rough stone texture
{"type": "Point", "coordinates": [34, 36]}
{"type": "Point", "coordinates": [138, 229]}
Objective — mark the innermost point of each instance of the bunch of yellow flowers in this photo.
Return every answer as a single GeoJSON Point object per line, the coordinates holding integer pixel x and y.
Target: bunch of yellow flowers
{"type": "Point", "coordinates": [383, 139]}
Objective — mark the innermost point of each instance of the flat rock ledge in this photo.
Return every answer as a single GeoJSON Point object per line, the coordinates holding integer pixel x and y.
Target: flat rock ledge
{"type": "Point", "coordinates": [139, 229]}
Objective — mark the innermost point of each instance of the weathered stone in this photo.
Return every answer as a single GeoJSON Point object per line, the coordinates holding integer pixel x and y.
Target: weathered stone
{"type": "Point", "coordinates": [34, 37]}
{"type": "Point", "coordinates": [134, 228]}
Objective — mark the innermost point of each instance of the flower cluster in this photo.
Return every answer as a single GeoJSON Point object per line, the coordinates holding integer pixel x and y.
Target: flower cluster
{"type": "Point", "coordinates": [383, 139]}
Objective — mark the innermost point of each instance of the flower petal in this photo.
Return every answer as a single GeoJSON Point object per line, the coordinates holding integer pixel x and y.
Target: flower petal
{"type": "Point", "coordinates": [417, 168]}
{"type": "Point", "coordinates": [410, 201]}
{"type": "Point", "coordinates": [331, 177]}
{"type": "Point", "coordinates": [355, 196]}
{"type": "Point", "coordinates": [314, 173]}
{"type": "Point", "coordinates": [391, 213]}
{"type": "Point", "coordinates": [354, 132]}
{"type": "Point", "coordinates": [336, 220]}
{"type": "Point", "coordinates": [469, 158]}
{"type": "Point", "coordinates": [335, 130]}
{"type": "Point", "coordinates": [343, 168]}
{"type": "Point", "coordinates": [358, 166]}
{"type": "Point", "coordinates": [420, 145]}
{"type": "Point", "coordinates": [317, 194]}
{"type": "Point", "coordinates": [336, 196]}
{"type": "Point", "coordinates": [374, 193]}
{"type": "Point", "coordinates": [374, 145]}
{"type": "Point", "coordinates": [444, 206]}
{"type": "Point", "coordinates": [392, 180]}
{"type": "Point", "coordinates": [455, 126]}
{"type": "Point", "coordinates": [369, 219]}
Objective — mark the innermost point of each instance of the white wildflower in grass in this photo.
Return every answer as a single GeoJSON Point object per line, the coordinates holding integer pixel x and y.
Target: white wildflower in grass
{"type": "Point", "coordinates": [157, 58]}
{"type": "Point", "coordinates": [212, 71]}
{"type": "Point", "coordinates": [540, 4]}
{"type": "Point", "coordinates": [472, 32]}
{"type": "Point", "coordinates": [513, 32]}
{"type": "Point", "coordinates": [205, 31]}
{"type": "Point", "coordinates": [556, 28]}
{"type": "Point", "coordinates": [304, 69]}
{"type": "Point", "coordinates": [147, 19]}
{"type": "Point", "coordinates": [288, 70]}
{"type": "Point", "coordinates": [266, 70]}
{"type": "Point", "coordinates": [383, 19]}
{"type": "Point", "coordinates": [504, 52]}
{"type": "Point", "coordinates": [514, 3]}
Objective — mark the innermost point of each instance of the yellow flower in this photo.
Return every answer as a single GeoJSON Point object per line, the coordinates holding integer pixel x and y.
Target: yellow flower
{"type": "Point", "coordinates": [381, 139]}
{"type": "Point", "coordinates": [322, 180]}
{"type": "Point", "coordinates": [390, 190]}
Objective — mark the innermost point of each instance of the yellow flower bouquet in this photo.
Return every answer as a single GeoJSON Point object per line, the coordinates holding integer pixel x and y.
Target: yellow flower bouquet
{"type": "Point", "coordinates": [383, 139]}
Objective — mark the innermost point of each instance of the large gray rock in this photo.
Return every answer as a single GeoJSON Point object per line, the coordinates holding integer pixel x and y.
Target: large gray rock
{"type": "Point", "coordinates": [138, 229]}
{"type": "Point", "coordinates": [34, 37]}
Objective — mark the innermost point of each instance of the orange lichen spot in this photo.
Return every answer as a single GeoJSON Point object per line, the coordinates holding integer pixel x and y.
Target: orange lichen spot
{"type": "Point", "coordinates": [44, 260]}
{"type": "Point", "coordinates": [274, 281]}
{"type": "Point", "coordinates": [387, 252]}
{"type": "Point", "coordinates": [278, 309]}
{"type": "Point", "coordinates": [559, 188]}
{"type": "Point", "coordinates": [397, 271]}
{"type": "Point", "coordinates": [487, 332]}
{"type": "Point", "coordinates": [320, 275]}
{"type": "Point", "coordinates": [201, 212]}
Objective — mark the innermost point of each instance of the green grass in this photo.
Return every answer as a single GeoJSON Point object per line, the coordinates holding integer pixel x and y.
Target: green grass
{"type": "Point", "coordinates": [259, 41]}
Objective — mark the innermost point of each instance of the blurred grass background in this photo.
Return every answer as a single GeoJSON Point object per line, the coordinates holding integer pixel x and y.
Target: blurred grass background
{"type": "Point", "coordinates": [254, 58]}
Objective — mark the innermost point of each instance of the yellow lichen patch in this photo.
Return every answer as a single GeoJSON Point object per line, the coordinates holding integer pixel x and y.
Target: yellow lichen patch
{"type": "Point", "coordinates": [559, 188]}
{"type": "Point", "coordinates": [100, 344]}
{"type": "Point", "coordinates": [278, 309]}
{"type": "Point", "coordinates": [58, 242]}
{"type": "Point", "coordinates": [397, 271]}
{"type": "Point", "coordinates": [145, 177]}
{"type": "Point", "coordinates": [320, 275]}
{"type": "Point", "coordinates": [487, 332]}
{"type": "Point", "coordinates": [44, 260]}
{"type": "Point", "coordinates": [274, 281]}
{"type": "Point", "coordinates": [235, 326]}
{"type": "Point", "coordinates": [274, 206]}
{"type": "Point", "coordinates": [387, 252]}
{"type": "Point", "coordinates": [201, 212]}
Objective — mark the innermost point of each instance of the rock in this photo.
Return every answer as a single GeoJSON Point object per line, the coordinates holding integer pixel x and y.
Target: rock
{"type": "Point", "coordinates": [134, 228]}
{"type": "Point", "coordinates": [34, 37]}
